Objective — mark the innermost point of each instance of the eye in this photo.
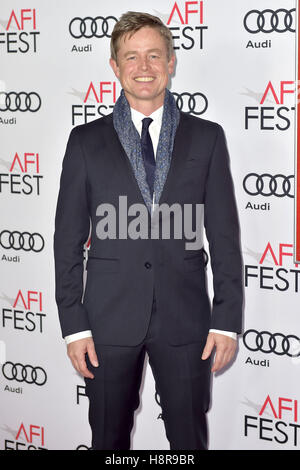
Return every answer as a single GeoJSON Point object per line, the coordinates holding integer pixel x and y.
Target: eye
{"type": "Point", "coordinates": [132, 57]}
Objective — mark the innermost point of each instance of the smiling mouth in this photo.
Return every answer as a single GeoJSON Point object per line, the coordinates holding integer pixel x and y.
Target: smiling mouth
{"type": "Point", "coordinates": [144, 79]}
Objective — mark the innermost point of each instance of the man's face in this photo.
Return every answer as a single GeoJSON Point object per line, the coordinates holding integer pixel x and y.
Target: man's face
{"type": "Point", "coordinates": [143, 68]}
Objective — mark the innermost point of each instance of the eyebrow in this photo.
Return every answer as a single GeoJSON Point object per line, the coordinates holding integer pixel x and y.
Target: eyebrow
{"type": "Point", "coordinates": [136, 52]}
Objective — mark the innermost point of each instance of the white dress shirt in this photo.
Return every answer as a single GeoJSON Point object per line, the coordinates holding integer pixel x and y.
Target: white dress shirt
{"type": "Point", "coordinates": [154, 131]}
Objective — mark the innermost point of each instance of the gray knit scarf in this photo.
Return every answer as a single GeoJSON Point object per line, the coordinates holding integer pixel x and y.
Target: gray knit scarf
{"type": "Point", "coordinates": [131, 142]}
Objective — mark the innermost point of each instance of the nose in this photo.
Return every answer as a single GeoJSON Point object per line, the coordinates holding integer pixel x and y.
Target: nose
{"type": "Point", "coordinates": [144, 64]}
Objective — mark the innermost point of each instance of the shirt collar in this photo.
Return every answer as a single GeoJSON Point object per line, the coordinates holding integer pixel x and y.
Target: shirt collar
{"type": "Point", "coordinates": [137, 117]}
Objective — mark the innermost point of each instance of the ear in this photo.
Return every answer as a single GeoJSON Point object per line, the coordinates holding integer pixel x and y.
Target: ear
{"type": "Point", "coordinates": [114, 66]}
{"type": "Point", "coordinates": [171, 64]}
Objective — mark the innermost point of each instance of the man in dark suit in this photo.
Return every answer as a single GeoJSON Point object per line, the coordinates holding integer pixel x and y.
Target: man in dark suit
{"type": "Point", "coordinates": [145, 293]}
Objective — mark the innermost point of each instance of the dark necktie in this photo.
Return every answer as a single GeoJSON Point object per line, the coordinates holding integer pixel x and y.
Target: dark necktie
{"type": "Point", "coordinates": [148, 154]}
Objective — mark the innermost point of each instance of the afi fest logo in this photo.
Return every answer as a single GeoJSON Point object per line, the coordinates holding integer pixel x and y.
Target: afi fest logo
{"type": "Point", "coordinates": [28, 437]}
{"type": "Point", "coordinates": [97, 101]}
{"type": "Point", "coordinates": [277, 421]}
{"type": "Point", "coordinates": [23, 174]}
{"type": "Point", "coordinates": [275, 269]}
{"type": "Point", "coordinates": [26, 312]}
{"type": "Point", "coordinates": [276, 107]}
{"type": "Point", "coordinates": [20, 32]}
{"type": "Point", "coordinates": [186, 22]}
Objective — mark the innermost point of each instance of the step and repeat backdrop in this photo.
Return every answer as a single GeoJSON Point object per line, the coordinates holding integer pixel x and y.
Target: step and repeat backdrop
{"type": "Point", "coordinates": [236, 65]}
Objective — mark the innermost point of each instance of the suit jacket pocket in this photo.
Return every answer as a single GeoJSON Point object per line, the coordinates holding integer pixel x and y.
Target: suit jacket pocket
{"type": "Point", "coordinates": [107, 265]}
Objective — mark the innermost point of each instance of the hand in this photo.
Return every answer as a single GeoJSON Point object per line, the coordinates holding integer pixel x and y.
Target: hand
{"type": "Point", "coordinates": [225, 349]}
{"type": "Point", "coordinates": [76, 352]}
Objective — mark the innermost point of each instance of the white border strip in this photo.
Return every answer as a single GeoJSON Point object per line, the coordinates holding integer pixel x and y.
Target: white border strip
{"type": "Point", "coordinates": [296, 130]}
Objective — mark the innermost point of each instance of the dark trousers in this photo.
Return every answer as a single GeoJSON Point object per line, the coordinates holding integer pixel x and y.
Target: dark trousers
{"type": "Point", "coordinates": [182, 381]}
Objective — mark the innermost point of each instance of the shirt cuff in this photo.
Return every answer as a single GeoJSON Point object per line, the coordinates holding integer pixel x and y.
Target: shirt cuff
{"type": "Point", "coordinates": [82, 334]}
{"type": "Point", "coordinates": [226, 333]}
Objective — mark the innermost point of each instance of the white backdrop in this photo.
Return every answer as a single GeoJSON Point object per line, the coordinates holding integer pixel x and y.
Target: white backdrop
{"type": "Point", "coordinates": [237, 60]}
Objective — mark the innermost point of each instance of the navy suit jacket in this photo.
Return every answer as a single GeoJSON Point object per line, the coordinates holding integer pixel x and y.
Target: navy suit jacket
{"type": "Point", "coordinates": [122, 274]}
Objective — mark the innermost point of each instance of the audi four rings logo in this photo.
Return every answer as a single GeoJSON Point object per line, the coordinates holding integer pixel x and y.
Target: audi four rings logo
{"type": "Point", "coordinates": [195, 103]}
{"type": "Point", "coordinates": [89, 27]}
{"type": "Point", "coordinates": [269, 185]}
{"type": "Point", "coordinates": [27, 373]}
{"type": "Point", "coordinates": [269, 21]}
{"type": "Point", "coordinates": [22, 241]}
{"type": "Point", "coordinates": [276, 343]}
{"type": "Point", "coordinates": [21, 101]}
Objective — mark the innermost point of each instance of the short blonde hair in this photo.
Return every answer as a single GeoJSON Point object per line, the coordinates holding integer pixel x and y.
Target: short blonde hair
{"type": "Point", "coordinates": [131, 22]}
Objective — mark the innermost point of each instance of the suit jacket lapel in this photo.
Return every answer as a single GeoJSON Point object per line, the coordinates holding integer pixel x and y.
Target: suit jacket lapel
{"type": "Point", "coordinates": [118, 153]}
{"type": "Point", "coordinates": [180, 151]}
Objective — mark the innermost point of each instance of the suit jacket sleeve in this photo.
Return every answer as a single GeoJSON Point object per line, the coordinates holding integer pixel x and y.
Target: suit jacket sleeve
{"type": "Point", "coordinates": [72, 225]}
{"type": "Point", "coordinates": [222, 231]}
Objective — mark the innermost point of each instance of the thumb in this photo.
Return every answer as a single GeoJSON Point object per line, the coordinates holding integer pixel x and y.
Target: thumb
{"type": "Point", "coordinates": [92, 354]}
{"type": "Point", "coordinates": [209, 346]}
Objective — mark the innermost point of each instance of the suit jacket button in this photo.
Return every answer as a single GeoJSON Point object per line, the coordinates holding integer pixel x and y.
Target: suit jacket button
{"type": "Point", "coordinates": [148, 265]}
